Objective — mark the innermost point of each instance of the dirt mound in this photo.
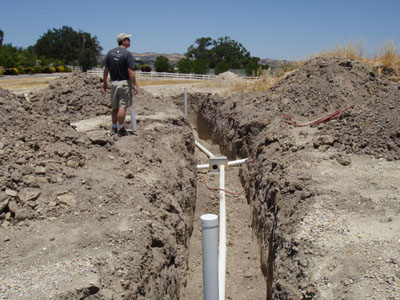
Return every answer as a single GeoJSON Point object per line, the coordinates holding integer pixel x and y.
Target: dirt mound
{"type": "Point", "coordinates": [228, 77]}
{"type": "Point", "coordinates": [324, 85]}
{"type": "Point", "coordinates": [320, 87]}
{"type": "Point", "coordinates": [106, 217]}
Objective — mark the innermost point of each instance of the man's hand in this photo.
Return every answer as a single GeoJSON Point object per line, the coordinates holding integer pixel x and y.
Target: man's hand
{"type": "Point", "coordinates": [135, 89]}
{"type": "Point", "coordinates": [105, 86]}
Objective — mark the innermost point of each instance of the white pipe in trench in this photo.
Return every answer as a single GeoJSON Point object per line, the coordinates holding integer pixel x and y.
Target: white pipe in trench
{"type": "Point", "coordinates": [222, 234]}
{"type": "Point", "coordinates": [202, 148]}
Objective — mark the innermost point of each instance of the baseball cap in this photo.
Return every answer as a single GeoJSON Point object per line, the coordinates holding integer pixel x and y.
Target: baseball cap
{"type": "Point", "coordinates": [122, 36]}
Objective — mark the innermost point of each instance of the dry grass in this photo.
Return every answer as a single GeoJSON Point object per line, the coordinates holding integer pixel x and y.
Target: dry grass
{"type": "Point", "coordinates": [17, 83]}
{"type": "Point", "coordinates": [23, 83]}
{"type": "Point", "coordinates": [388, 56]}
{"type": "Point", "coordinates": [262, 84]}
{"type": "Point", "coordinates": [266, 80]}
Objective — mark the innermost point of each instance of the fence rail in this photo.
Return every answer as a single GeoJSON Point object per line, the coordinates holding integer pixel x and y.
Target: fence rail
{"type": "Point", "coordinates": [176, 76]}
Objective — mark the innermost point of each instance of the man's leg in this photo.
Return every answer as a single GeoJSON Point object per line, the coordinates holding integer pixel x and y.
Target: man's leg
{"type": "Point", "coordinates": [121, 115]}
{"type": "Point", "coordinates": [114, 115]}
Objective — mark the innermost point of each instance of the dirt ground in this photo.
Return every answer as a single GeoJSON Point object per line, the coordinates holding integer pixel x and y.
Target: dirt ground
{"type": "Point", "coordinates": [88, 216]}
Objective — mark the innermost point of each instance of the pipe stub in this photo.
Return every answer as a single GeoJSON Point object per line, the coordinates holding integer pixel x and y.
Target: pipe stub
{"type": "Point", "coordinates": [209, 220]}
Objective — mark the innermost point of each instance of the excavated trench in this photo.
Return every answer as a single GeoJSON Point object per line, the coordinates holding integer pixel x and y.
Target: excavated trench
{"type": "Point", "coordinates": [263, 214]}
{"type": "Point", "coordinates": [271, 191]}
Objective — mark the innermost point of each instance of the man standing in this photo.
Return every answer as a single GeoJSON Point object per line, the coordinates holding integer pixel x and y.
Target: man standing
{"type": "Point", "coordinates": [119, 62]}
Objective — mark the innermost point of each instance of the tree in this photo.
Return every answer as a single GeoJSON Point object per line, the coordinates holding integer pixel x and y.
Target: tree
{"type": "Point", "coordinates": [9, 56]}
{"type": "Point", "coordinates": [70, 46]}
{"type": "Point", "coordinates": [253, 69]}
{"type": "Point", "coordinates": [201, 49]}
{"type": "Point", "coordinates": [224, 49]}
{"type": "Point", "coordinates": [221, 67]}
{"type": "Point", "coordinates": [185, 65]}
{"type": "Point", "coordinates": [161, 64]}
{"type": "Point", "coordinates": [200, 66]}
{"type": "Point", "coordinates": [1, 37]}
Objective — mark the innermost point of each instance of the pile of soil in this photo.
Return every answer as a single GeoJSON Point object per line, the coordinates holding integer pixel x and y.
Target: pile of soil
{"type": "Point", "coordinates": [85, 215]}
{"type": "Point", "coordinates": [314, 191]}
{"type": "Point", "coordinates": [228, 77]}
{"type": "Point", "coordinates": [320, 87]}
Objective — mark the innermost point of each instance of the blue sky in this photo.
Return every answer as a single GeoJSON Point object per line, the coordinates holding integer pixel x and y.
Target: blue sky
{"type": "Point", "coordinates": [286, 29]}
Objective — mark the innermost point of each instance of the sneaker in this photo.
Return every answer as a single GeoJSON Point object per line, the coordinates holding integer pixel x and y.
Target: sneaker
{"type": "Point", "coordinates": [122, 132]}
{"type": "Point", "coordinates": [113, 131]}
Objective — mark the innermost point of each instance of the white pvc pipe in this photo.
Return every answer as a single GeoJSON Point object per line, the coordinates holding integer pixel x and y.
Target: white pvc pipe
{"type": "Point", "coordinates": [202, 148]}
{"type": "Point", "coordinates": [133, 120]}
{"type": "Point", "coordinates": [209, 230]}
{"type": "Point", "coordinates": [237, 162]}
{"type": "Point", "coordinates": [222, 234]}
{"type": "Point", "coordinates": [230, 163]}
{"type": "Point", "coordinates": [186, 109]}
{"type": "Point", "coordinates": [205, 166]}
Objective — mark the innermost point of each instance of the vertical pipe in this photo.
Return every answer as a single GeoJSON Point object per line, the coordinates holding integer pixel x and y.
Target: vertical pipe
{"type": "Point", "coordinates": [209, 229]}
{"type": "Point", "coordinates": [222, 234]}
{"type": "Point", "coordinates": [133, 120]}
{"type": "Point", "coordinates": [186, 109]}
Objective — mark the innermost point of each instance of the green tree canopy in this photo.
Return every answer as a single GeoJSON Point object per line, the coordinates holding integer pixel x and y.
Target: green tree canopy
{"type": "Point", "coordinates": [200, 66]}
{"type": "Point", "coordinates": [185, 65]}
{"type": "Point", "coordinates": [223, 52]}
{"type": "Point", "coordinates": [253, 69]}
{"type": "Point", "coordinates": [221, 67]}
{"type": "Point", "coordinates": [9, 56]}
{"type": "Point", "coordinates": [161, 64]}
{"type": "Point", "coordinates": [12, 57]}
{"type": "Point", "coordinates": [70, 46]}
{"type": "Point", "coordinates": [1, 37]}
{"type": "Point", "coordinates": [201, 49]}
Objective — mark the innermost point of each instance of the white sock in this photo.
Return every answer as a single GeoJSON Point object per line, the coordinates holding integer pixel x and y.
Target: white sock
{"type": "Point", "coordinates": [114, 125]}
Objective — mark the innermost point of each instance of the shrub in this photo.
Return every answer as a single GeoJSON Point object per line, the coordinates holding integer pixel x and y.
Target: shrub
{"type": "Point", "coordinates": [253, 69]}
{"type": "Point", "coordinates": [47, 70]}
{"type": "Point", "coordinates": [12, 71]}
{"type": "Point", "coordinates": [52, 69]}
{"type": "Point", "coordinates": [21, 70]}
{"type": "Point", "coordinates": [37, 70]}
{"type": "Point", "coordinates": [29, 70]}
{"type": "Point", "coordinates": [57, 63]}
{"type": "Point", "coordinates": [161, 64]}
{"type": "Point", "coordinates": [145, 68]}
{"type": "Point", "coordinates": [68, 69]}
{"type": "Point", "coordinates": [60, 69]}
{"type": "Point", "coordinates": [1, 72]}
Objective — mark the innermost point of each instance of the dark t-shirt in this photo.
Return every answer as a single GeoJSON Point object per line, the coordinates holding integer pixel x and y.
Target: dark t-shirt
{"type": "Point", "coordinates": [118, 61]}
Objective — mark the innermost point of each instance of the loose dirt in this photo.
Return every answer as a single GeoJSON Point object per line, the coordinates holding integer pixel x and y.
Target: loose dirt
{"type": "Point", "coordinates": [88, 216]}
{"type": "Point", "coordinates": [325, 199]}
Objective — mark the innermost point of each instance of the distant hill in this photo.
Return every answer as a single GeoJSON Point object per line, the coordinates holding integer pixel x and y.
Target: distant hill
{"type": "Point", "coordinates": [273, 63]}
{"type": "Point", "coordinates": [151, 56]}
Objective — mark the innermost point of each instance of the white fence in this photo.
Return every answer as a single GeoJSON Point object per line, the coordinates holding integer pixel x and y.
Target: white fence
{"type": "Point", "coordinates": [167, 75]}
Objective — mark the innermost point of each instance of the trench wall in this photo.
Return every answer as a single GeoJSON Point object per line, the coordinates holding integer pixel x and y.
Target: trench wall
{"type": "Point", "coordinates": [277, 192]}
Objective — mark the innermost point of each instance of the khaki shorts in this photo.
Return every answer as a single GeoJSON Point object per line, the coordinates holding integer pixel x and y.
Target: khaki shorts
{"type": "Point", "coordinates": [121, 94]}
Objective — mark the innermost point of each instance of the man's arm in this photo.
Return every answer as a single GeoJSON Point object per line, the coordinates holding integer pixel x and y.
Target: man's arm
{"type": "Point", "coordinates": [105, 76]}
{"type": "Point", "coordinates": [133, 79]}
